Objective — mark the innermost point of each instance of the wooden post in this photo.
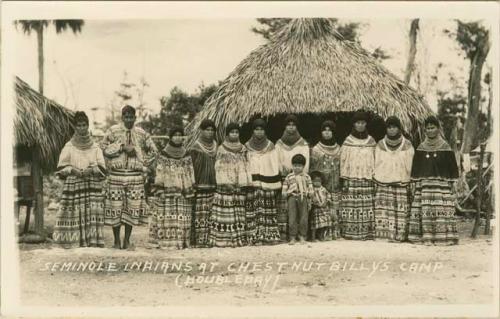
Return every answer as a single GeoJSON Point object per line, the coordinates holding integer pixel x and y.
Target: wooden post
{"type": "Point", "coordinates": [38, 187]}
{"type": "Point", "coordinates": [487, 224]}
{"type": "Point", "coordinates": [477, 221]}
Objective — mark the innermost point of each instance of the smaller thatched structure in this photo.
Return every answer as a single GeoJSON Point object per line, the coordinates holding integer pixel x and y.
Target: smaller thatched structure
{"type": "Point", "coordinates": [41, 128]}
{"type": "Point", "coordinates": [40, 124]}
{"type": "Point", "coordinates": [308, 69]}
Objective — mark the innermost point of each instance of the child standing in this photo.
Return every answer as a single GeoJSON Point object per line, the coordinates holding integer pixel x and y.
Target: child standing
{"type": "Point", "coordinates": [298, 191]}
{"type": "Point", "coordinates": [320, 219]}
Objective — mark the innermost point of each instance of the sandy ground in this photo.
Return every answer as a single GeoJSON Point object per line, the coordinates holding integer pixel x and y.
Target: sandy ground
{"type": "Point", "coordinates": [326, 273]}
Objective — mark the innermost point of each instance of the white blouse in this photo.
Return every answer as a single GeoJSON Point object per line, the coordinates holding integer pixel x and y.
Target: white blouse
{"type": "Point", "coordinates": [393, 166]}
{"type": "Point", "coordinates": [357, 158]}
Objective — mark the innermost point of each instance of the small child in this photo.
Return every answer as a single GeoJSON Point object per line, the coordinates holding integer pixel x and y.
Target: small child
{"type": "Point", "coordinates": [320, 219]}
{"type": "Point", "coordinates": [298, 191]}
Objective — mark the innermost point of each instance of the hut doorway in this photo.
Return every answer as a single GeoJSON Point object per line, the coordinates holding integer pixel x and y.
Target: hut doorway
{"type": "Point", "coordinates": [310, 126]}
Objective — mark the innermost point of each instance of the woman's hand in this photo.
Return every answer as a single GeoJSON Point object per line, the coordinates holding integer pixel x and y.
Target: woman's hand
{"type": "Point", "coordinates": [76, 172]}
{"type": "Point", "coordinates": [87, 172]}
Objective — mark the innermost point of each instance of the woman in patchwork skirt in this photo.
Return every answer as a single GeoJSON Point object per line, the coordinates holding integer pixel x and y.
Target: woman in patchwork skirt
{"type": "Point", "coordinates": [325, 158]}
{"type": "Point", "coordinates": [227, 221]}
{"type": "Point", "coordinates": [203, 154]}
{"type": "Point", "coordinates": [393, 159]}
{"type": "Point", "coordinates": [262, 200]}
{"type": "Point", "coordinates": [357, 161]}
{"type": "Point", "coordinates": [80, 219]}
{"type": "Point", "coordinates": [173, 189]}
{"type": "Point", "coordinates": [434, 172]}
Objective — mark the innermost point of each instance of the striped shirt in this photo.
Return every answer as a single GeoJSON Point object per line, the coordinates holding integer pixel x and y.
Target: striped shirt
{"type": "Point", "coordinates": [298, 185]}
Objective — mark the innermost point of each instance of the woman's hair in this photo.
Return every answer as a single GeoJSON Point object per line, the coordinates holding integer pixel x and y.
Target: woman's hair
{"type": "Point", "coordinates": [328, 123]}
{"type": "Point", "coordinates": [259, 123]}
{"type": "Point", "coordinates": [393, 121]}
{"type": "Point", "coordinates": [206, 123]}
{"type": "Point", "coordinates": [432, 120]}
{"type": "Point", "coordinates": [80, 116]}
{"type": "Point", "coordinates": [291, 118]}
{"type": "Point", "coordinates": [360, 115]}
{"type": "Point", "coordinates": [232, 126]}
{"type": "Point", "coordinates": [175, 129]}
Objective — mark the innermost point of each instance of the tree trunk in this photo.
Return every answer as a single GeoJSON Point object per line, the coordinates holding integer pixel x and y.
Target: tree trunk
{"type": "Point", "coordinates": [410, 66]}
{"type": "Point", "coordinates": [37, 175]}
{"type": "Point", "coordinates": [39, 33]}
{"type": "Point", "coordinates": [489, 127]}
{"type": "Point", "coordinates": [474, 96]}
{"type": "Point", "coordinates": [479, 198]}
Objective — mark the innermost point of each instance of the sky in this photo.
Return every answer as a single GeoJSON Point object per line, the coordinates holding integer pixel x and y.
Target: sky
{"type": "Point", "coordinates": [83, 71]}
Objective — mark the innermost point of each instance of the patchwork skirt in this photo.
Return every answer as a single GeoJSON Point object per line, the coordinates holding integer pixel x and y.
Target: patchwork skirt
{"type": "Point", "coordinates": [125, 199]}
{"type": "Point", "coordinates": [262, 216]}
{"type": "Point", "coordinates": [201, 217]}
{"type": "Point", "coordinates": [357, 217]}
{"type": "Point", "coordinates": [170, 222]}
{"type": "Point", "coordinates": [432, 213]}
{"type": "Point", "coordinates": [227, 220]}
{"type": "Point", "coordinates": [80, 219]}
{"type": "Point", "coordinates": [392, 211]}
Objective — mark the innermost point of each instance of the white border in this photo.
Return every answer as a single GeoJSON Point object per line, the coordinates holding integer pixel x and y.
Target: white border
{"type": "Point", "coordinates": [223, 10]}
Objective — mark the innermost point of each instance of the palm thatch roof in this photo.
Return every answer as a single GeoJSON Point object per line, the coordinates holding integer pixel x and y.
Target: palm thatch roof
{"type": "Point", "coordinates": [41, 124]}
{"type": "Point", "coordinates": [308, 67]}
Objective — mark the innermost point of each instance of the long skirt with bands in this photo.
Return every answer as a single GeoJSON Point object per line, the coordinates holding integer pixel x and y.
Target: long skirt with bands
{"type": "Point", "coordinates": [432, 214]}
{"type": "Point", "coordinates": [125, 199]}
{"type": "Point", "coordinates": [392, 211]}
{"type": "Point", "coordinates": [201, 217]}
{"type": "Point", "coordinates": [262, 216]}
{"type": "Point", "coordinates": [356, 215]}
{"type": "Point", "coordinates": [227, 221]}
{"type": "Point", "coordinates": [170, 223]}
{"type": "Point", "coordinates": [80, 219]}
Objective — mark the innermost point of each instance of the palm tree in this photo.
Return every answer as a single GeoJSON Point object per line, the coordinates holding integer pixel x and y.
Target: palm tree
{"type": "Point", "coordinates": [38, 26]}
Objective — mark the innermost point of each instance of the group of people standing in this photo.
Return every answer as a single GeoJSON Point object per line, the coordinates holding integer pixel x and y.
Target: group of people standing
{"type": "Point", "coordinates": [257, 193]}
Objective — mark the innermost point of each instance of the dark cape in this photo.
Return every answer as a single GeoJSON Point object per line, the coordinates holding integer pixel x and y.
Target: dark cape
{"type": "Point", "coordinates": [204, 165]}
{"type": "Point", "coordinates": [436, 164]}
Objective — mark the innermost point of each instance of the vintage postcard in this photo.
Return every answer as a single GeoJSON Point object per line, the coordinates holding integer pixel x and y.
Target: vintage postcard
{"type": "Point", "coordinates": [250, 159]}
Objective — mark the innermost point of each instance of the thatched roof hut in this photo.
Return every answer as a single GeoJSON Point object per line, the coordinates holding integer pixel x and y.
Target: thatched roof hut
{"type": "Point", "coordinates": [40, 124]}
{"type": "Point", "coordinates": [309, 69]}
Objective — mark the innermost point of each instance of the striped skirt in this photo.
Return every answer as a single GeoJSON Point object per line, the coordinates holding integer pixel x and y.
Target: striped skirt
{"type": "Point", "coordinates": [320, 217]}
{"type": "Point", "coordinates": [201, 217]}
{"type": "Point", "coordinates": [392, 211]}
{"type": "Point", "coordinates": [125, 199]}
{"type": "Point", "coordinates": [80, 219]}
{"type": "Point", "coordinates": [357, 219]}
{"type": "Point", "coordinates": [262, 216]}
{"type": "Point", "coordinates": [333, 227]}
{"type": "Point", "coordinates": [170, 222]}
{"type": "Point", "coordinates": [227, 221]}
{"type": "Point", "coordinates": [432, 213]}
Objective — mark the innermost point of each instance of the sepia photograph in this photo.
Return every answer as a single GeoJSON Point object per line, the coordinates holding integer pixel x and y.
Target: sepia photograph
{"type": "Point", "coordinates": [250, 159]}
